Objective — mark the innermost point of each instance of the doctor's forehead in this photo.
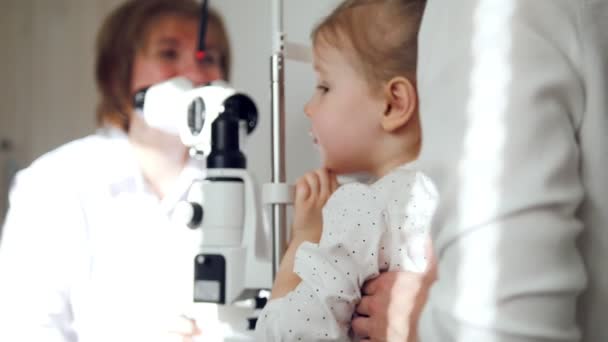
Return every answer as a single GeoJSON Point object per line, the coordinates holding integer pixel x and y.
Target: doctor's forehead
{"type": "Point", "coordinates": [171, 29]}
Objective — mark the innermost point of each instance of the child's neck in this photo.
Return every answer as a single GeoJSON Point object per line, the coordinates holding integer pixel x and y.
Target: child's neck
{"type": "Point", "coordinates": [392, 162]}
{"type": "Point", "coordinates": [396, 148]}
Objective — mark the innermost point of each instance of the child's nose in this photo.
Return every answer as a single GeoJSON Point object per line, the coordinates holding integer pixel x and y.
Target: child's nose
{"type": "Point", "coordinates": [308, 109]}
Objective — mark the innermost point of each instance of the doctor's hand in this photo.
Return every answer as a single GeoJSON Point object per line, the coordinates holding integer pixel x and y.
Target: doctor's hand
{"type": "Point", "coordinates": [312, 192]}
{"type": "Point", "coordinates": [392, 303]}
{"type": "Point", "coordinates": [182, 329]}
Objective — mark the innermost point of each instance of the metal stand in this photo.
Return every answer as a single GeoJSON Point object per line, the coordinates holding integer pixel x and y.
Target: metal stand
{"type": "Point", "coordinates": [277, 81]}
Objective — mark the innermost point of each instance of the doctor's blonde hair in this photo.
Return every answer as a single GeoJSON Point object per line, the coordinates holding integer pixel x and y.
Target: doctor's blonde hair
{"type": "Point", "coordinates": [382, 34]}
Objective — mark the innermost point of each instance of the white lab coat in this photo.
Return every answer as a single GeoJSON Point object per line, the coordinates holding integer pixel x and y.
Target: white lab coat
{"type": "Point", "coordinates": [514, 107]}
{"type": "Point", "coordinates": [88, 251]}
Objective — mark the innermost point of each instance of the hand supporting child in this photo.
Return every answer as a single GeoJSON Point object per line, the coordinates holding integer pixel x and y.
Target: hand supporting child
{"type": "Point", "coordinates": [392, 299]}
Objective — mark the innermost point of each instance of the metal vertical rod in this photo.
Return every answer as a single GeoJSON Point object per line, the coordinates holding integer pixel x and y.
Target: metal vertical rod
{"type": "Point", "coordinates": [277, 78]}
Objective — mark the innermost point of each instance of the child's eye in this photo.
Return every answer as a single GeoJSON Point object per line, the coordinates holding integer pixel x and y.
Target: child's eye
{"type": "Point", "coordinates": [323, 89]}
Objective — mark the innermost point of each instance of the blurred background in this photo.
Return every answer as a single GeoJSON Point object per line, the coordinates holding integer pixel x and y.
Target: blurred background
{"type": "Point", "coordinates": [48, 95]}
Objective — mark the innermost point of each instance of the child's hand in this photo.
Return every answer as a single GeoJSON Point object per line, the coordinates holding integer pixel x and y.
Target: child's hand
{"type": "Point", "coordinates": [312, 192]}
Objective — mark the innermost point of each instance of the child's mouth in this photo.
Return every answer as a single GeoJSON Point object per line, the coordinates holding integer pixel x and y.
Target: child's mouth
{"type": "Point", "coordinates": [314, 138]}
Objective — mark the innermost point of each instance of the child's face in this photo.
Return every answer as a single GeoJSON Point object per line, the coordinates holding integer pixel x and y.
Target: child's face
{"type": "Point", "coordinates": [345, 116]}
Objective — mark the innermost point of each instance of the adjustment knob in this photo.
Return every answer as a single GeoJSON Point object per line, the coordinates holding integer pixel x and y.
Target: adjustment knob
{"type": "Point", "coordinates": [188, 213]}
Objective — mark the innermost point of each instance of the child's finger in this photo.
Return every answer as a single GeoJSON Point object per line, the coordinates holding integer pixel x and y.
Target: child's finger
{"type": "Point", "coordinates": [324, 184]}
{"type": "Point", "coordinates": [313, 183]}
{"type": "Point", "coordinates": [302, 190]}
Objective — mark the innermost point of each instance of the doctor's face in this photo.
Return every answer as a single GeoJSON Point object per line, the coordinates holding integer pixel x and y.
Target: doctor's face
{"type": "Point", "coordinates": [169, 51]}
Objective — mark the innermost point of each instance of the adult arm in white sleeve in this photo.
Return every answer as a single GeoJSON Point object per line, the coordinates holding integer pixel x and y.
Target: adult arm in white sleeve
{"type": "Point", "coordinates": [39, 259]}
{"type": "Point", "coordinates": [501, 101]}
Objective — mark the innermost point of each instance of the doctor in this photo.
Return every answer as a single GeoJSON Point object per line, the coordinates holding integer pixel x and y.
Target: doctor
{"type": "Point", "coordinates": [88, 252]}
{"type": "Point", "coordinates": [514, 108]}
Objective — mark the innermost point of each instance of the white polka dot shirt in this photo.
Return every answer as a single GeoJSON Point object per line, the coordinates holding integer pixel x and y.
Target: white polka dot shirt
{"type": "Point", "coordinates": [367, 229]}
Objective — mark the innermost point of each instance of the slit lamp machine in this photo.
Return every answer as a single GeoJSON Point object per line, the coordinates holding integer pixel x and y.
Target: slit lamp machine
{"type": "Point", "coordinates": [222, 206]}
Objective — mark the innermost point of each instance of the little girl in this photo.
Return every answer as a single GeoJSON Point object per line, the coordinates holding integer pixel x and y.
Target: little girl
{"type": "Point", "coordinates": [364, 117]}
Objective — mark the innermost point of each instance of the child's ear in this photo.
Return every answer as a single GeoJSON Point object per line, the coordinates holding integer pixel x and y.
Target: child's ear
{"type": "Point", "coordinates": [402, 103]}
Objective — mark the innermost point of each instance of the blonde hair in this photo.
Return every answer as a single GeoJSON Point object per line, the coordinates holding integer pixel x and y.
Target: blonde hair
{"type": "Point", "coordinates": [123, 32]}
{"type": "Point", "coordinates": [383, 34]}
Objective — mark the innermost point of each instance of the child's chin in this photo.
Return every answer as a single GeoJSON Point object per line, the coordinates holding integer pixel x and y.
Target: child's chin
{"type": "Point", "coordinates": [349, 177]}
